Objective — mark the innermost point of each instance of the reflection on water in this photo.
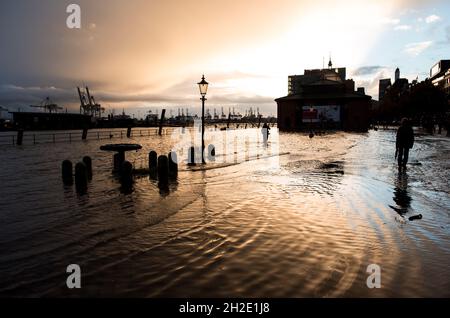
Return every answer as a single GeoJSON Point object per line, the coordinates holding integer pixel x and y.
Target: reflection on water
{"type": "Point", "coordinates": [306, 222]}
{"type": "Point", "coordinates": [401, 195]}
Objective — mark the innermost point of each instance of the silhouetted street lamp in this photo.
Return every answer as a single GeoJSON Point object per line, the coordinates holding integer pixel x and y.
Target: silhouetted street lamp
{"type": "Point", "coordinates": [203, 86]}
{"type": "Point", "coordinates": [311, 110]}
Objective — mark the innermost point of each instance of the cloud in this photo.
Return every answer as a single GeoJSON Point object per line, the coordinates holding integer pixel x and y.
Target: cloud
{"type": "Point", "coordinates": [415, 49]}
{"type": "Point", "coordinates": [15, 96]}
{"type": "Point", "coordinates": [432, 18]}
{"type": "Point", "coordinates": [366, 70]}
{"type": "Point", "coordinates": [371, 83]}
{"type": "Point", "coordinates": [408, 11]}
{"type": "Point", "coordinates": [403, 27]}
{"type": "Point", "coordinates": [391, 21]}
{"type": "Point", "coordinates": [12, 94]}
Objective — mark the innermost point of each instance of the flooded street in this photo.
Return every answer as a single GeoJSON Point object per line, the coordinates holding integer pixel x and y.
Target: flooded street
{"type": "Point", "coordinates": [304, 221]}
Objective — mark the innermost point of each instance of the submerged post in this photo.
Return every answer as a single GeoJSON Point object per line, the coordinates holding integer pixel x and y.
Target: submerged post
{"type": "Point", "coordinates": [88, 162]}
{"type": "Point", "coordinates": [191, 157]}
{"type": "Point", "coordinates": [81, 177]}
{"type": "Point", "coordinates": [163, 170]}
{"type": "Point", "coordinates": [84, 135]}
{"type": "Point", "coordinates": [119, 158]}
{"type": "Point", "coordinates": [19, 137]}
{"type": "Point", "coordinates": [161, 121]}
{"type": "Point", "coordinates": [173, 164]}
{"type": "Point", "coordinates": [126, 173]}
{"type": "Point", "coordinates": [153, 164]}
{"type": "Point", "coordinates": [67, 172]}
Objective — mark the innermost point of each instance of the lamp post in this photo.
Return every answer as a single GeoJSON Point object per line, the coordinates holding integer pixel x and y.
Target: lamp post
{"type": "Point", "coordinates": [203, 86]}
{"type": "Point", "coordinates": [311, 109]}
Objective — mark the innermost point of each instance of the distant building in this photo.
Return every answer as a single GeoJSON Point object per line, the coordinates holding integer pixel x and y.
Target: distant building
{"type": "Point", "coordinates": [400, 84]}
{"type": "Point", "coordinates": [383, 87]}
{"type": "Point", "coordinates": [296, 82]}
{"type": "Point", "coordinates": [447, 83]}
{"type": "Point", "coordinates": [440, 76]}
{"type": "Point", "coordinates": [397, 74]}
{"type": "Point", "coordinates": [324, 98]}
{"type": "Point", "coordinates": [50, 121]}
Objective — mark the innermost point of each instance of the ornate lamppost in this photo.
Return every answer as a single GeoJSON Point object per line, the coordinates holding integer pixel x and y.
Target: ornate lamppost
{"type": "Point", "coordinates": [203, 86]}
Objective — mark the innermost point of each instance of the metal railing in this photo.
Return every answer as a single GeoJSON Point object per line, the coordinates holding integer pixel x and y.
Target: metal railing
{"type": "Point", "coordinates": [35, 137]}
{"type": "Point", "coordinates": [42, 137]}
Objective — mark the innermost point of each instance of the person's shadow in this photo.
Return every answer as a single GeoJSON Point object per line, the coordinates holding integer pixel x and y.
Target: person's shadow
{"type": "Point", "coordinates": [401, 195]}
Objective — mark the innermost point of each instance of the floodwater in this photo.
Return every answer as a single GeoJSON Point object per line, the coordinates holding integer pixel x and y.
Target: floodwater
{"type": "Point", "coordinates": [304, 220]}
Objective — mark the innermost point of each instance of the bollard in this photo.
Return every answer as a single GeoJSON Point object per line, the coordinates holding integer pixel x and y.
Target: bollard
{"type": "Point", "coordinates": [19, 137]}
{"type": "Point", "coordinates": [118, 158]}
{"type": "Point", "coordinates": [129, 132]}
{"type": "Point", "coordinates": [153, 164]}
{"type": "Point", "coordinates": [173, 164]}
{"type": "Point", "coordinates": [67, 172]}
{"type": "Point", "coordinates": [161, 122]}
{"type": "Point", "coordinates": [163, 170]}
{"type": "Point", "coordinates": [88, 162]}
{"type": "Point", "coordinates": [152, 160]}
{"type": "Point", "coordinates": [81, 178]}
{"type": "Point", "coordinates": [211, 153]}
{"type": "Point", "coordinates": [84, 135]}
{"type": "Point", "coordinates": [191, 156]}
{"type": "Point", "coordinates": [126, 173]}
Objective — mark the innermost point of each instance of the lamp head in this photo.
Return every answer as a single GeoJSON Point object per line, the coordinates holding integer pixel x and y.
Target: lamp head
{"type": "Point", "coordinates": [203, 86]}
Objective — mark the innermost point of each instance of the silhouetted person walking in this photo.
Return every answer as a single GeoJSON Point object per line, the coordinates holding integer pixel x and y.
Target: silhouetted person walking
{"type": "Point", "coordinates": [265, 132]}
{"type": "Point", "coordinates": [404, 142]}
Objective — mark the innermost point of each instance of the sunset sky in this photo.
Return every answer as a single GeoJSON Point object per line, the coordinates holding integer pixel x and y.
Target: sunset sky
{"type": "Point", "coordinates": [145, 54]}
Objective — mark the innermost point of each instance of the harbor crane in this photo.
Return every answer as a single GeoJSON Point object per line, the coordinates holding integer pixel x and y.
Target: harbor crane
{"type": "Point", "coordinates": [48, 106]}
{"type": "Point", "coordinates": [88, 105]}
{"type": "Point", "coordinates": [3, 109]}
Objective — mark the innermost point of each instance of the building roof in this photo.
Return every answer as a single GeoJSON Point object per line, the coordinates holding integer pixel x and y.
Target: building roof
{"type": "Point", "coordinates": [444, 65]}
{"type": "Point", "coordinates": [354, 95]}
{"type": "Point", "coordinates": [310, 76]}
{"type": "Point", "coordinates": [324, 82]}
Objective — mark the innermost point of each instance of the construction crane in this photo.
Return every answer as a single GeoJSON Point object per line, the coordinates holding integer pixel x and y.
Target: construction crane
{"type": "Point", "coordinates": [3, 109]}
{"type": "Point", "coordinates": [88, 105]}
{"type": "Point", "coordinates": [48, 106]}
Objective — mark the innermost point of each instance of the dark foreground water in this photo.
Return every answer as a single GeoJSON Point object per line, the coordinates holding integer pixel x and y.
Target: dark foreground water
{"type": "Point", "coordinates": [307, 223]}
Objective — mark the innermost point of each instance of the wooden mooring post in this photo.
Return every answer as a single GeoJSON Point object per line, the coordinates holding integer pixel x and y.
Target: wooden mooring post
{"type": "Point", "coordinates": [161, 121]}
{"type": "Point", "coordinates": [19, 137]}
